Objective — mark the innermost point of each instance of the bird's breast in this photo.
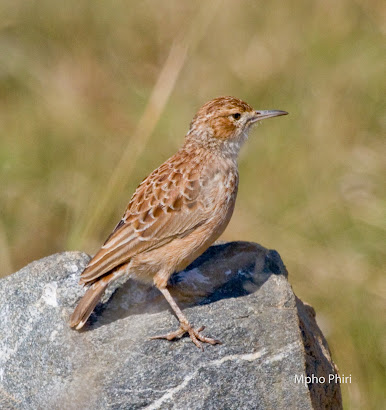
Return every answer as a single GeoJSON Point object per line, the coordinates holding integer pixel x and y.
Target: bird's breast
{"type": "Point", "coordinates": [219, 185]}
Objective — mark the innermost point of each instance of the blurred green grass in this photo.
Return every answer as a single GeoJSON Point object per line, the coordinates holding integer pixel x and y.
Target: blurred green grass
{"type": "Point", "coordinates": [93, 96]}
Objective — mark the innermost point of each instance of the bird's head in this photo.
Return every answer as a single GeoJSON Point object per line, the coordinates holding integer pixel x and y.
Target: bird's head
{"type": "Point", "coordinates": [224, 123]}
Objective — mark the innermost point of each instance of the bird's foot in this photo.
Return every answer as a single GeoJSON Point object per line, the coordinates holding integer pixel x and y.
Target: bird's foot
{"type": "Point", "coordinates": [194, 334]}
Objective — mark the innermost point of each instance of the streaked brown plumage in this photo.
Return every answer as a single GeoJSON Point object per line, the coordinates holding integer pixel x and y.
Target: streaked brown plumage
{"type": "Point", "coordinates": [178, 211]}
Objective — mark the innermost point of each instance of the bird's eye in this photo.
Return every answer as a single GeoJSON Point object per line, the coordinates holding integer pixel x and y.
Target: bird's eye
{"type": "Point", "coordinates": [236, 115]}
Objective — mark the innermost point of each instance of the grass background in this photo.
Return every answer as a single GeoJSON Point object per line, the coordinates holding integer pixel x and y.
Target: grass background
{"type": "Point", "coordinates": [94, 95]}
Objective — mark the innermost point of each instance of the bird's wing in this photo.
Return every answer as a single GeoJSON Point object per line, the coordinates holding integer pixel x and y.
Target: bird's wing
{"type": "Point", "coordinates": [166, 205]}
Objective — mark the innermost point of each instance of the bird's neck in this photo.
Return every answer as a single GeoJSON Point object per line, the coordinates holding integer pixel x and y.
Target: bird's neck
{"type": "Point", "coordinates": [223, 149]}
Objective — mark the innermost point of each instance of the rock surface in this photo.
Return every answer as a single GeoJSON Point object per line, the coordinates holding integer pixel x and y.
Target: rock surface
{"type": "Point", "coordinates": [238, 290]}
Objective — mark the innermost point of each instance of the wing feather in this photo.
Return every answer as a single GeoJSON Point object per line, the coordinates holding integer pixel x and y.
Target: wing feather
{"type": "Point", "coordinates": [165, 205]}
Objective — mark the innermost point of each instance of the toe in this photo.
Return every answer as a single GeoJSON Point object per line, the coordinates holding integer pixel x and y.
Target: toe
{"type": "Point", "coordinates": [194, 338]}
{"type": "Point", "coordinates": [170, 336]}
{"type": "Point", "coordinates": [207, 339]}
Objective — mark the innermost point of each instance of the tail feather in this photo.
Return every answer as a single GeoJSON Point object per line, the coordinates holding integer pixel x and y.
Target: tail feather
{"type": "Point", "coordinates": [88, 303]}
{"type": "Point", "coordinates": [93, 295]}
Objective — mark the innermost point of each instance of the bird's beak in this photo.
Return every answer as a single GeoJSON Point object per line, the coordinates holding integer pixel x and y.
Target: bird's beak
{"type": "Point", "coordinates": [263, 114]}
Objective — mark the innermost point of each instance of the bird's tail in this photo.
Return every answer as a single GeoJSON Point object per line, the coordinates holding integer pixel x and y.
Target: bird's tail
{"type": "Point", "coordinates": [93, 295]}
{"type": "Point", "coordinates": [89, 301]}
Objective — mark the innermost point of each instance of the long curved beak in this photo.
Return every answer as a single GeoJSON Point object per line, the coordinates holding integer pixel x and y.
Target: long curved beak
{"type": "Point", "coordinates": [263, 114]}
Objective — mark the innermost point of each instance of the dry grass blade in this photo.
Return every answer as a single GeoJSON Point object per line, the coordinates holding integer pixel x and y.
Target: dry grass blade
{"type": "Point", "coordinates": [5, 254]}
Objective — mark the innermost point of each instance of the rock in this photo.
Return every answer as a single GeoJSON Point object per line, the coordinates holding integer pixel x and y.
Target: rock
{"type": "Point", "coordinates": [238, 290]}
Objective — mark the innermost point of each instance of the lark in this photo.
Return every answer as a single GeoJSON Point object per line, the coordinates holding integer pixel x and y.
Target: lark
{"type": "Point", "coordinates": [177, 212]}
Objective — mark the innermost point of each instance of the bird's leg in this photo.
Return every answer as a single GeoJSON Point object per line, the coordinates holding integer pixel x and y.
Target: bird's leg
{"type": "Point", "coordinates": [185, 326]}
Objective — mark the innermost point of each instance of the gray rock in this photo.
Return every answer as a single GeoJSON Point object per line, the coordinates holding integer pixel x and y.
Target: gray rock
{"type": "Point", "coordinates": [238, 290]}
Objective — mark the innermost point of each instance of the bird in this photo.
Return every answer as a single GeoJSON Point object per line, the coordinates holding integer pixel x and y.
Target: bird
{"type": "Point", "coordinates": [177, 212]}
